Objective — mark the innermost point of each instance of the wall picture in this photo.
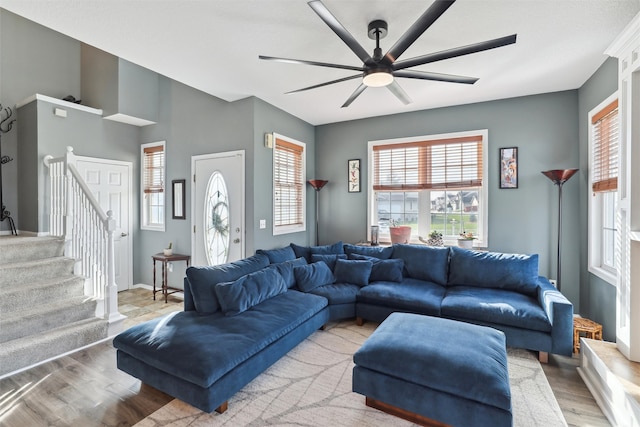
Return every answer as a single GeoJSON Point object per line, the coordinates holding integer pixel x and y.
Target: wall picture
{"type": "Point", "coordinates": [509, 167]}
{"type": "Point", "coordinates": [354, 175]}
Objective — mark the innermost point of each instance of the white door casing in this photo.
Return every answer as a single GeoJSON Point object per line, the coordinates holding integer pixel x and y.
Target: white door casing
{"type": "Point", "coordinates": [219, 171]}
{"type": "Point", "coordinates": [110, 182]}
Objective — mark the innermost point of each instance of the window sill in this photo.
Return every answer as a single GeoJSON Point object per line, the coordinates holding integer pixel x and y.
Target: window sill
{"type": "Point", "coordinates": [605, 275]}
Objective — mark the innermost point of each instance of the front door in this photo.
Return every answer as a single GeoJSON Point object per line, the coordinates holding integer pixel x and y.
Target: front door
{"type": "Point", "coordinates": [110, 183]}
{"type": "Point", "coordinates": [217, 207]}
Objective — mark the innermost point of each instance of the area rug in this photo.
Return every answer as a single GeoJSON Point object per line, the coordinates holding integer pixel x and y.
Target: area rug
{"type": "Point", "coordinates": [311, 386]}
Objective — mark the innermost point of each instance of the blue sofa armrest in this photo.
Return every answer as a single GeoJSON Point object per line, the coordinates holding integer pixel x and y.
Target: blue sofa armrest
{"type": "Point", "coordinates": [189, 305]}
{"type": "Point", "coordinates": [559, 310]}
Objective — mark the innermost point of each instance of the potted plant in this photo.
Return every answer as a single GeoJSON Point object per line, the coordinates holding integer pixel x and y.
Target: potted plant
{"type": "Point", "coordinates": [399, 233]}
{"type": "Point", "coordinates": [435, 239]}
{"type": "Point", "coordinates": [168, 251]}
{"type": "Point", "coordinates": [466, 239]}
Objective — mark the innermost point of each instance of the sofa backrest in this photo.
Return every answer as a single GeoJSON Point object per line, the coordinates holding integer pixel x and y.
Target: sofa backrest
{"type": "Point", "coordinates": [428, 263]}
{"type": "Point", "coordinates": [200, 282]}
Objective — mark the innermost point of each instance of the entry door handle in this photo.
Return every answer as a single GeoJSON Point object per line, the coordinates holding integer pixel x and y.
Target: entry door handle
{"type": "Point", "coordinates": [123, 234]}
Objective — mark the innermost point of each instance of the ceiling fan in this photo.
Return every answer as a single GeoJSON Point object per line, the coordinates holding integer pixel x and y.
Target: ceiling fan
{"type": "Point", "coordinates": [381, 70]}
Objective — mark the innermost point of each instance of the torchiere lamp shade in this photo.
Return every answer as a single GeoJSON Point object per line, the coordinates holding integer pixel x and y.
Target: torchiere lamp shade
{"type": "Point", "coordinates": [559, 176]}
{"type": "Point", "coordinates": [317, 184]}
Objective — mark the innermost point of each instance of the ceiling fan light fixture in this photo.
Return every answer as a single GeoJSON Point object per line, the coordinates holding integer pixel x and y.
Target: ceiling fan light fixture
{"type": "Point", "coordinates": [377, 78]}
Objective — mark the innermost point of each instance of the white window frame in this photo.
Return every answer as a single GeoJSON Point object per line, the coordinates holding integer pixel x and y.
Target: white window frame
{"type": "Point", "coordinates": [424, 221]}
{"type": "Point", "coordinates": [595, 214]}
{"type": "Point", "coordinates": [295, 228]}
{"type": "Point", "coordinates": [144, 208]}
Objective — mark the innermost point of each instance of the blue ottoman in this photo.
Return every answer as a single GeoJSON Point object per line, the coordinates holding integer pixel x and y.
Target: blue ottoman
{"type": "Point", "coordinates": [428, 369]}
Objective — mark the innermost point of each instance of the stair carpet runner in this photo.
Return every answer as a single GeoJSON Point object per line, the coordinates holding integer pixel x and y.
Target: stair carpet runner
{"type": "Point", "coordinates": [43, 310]}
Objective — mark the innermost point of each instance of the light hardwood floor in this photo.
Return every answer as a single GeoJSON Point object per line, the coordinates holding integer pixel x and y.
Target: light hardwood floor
{"type": "Point", "coordinates": [86, 389]}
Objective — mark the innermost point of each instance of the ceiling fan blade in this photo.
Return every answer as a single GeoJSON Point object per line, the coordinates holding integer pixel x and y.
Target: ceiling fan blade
{"type": "Point", "coordinates": [425, 75]}
{"type": "Point", "coordinates": [317, 64]}
{"type": "Point", "coordinates": [397, 90]}
{"type": "Point", "coordinates": [420, 26]}
{"type": "Point", "coordinates": [455, 52]}
{"type": "Point", "coordinates": [354, 95]}
{"type": "Point", "coordinates": [333, 23]}
{"type": "Point", "coordinates": [344, 79]}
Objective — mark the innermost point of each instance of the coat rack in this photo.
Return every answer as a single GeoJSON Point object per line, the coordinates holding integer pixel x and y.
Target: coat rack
{"type": "Point", "coordinates": [5, 126]}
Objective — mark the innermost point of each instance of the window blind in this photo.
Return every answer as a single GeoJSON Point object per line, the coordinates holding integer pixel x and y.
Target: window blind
{"type": "Point", "coordinates": [288, 183]}
{"type": "Point", "coordinates": [606, 137]}
{"type": "Point", "coordinates": [434, 164]}
{"type": "Point", "coordinates": [153, 169]}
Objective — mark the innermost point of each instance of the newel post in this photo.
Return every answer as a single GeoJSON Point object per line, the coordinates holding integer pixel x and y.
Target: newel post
{"type": "Point", "coordinates": [111, 294]}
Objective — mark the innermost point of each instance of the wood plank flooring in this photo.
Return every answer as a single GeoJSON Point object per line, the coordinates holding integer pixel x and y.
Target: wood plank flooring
{"type": "Point", "coordinates": [86, 389]}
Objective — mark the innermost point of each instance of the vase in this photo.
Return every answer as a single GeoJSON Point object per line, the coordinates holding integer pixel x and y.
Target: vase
{"type": "Point", "coordinates": [435, 241]}
{"type": "Point", "coordinates": [168, 252]}
{"type": "Point", "coordinates": [465, 243]}
{"type": "Point", "coordinates": [401, 234]}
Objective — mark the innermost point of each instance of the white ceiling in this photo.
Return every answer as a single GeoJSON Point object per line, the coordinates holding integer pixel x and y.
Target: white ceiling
{"type": "Point", "coordinates": [213, 45]}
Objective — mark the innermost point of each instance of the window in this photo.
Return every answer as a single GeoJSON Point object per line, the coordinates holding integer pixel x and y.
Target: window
{"type": "Point", "coordinates": [288, 185]}
{"type": "Point", "coordinates": [431, 183]}
{"type": "Point", "coordinates": [603, 178]}
{"type": "Point", "coordinates": [153, 180]}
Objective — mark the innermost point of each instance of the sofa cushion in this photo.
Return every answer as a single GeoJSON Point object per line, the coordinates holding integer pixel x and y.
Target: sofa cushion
{"type": "Point", "coordinates": [412, 295]}
{"type": "Point", "coordinates": [202, 349]}
{"type": "Point", "coordinates": [496, 306]}
{"type": "Point", "coordinates": [384, 270]}
{"type": "Point", "coordinates": [203, 279]}
{"type": "Point", "coordinates": [278, 255]}
{"type": "Point", "coordinates": [514, 272]}
{"type": "Point", "coordinates": [306, 251]}
{"type": "Point", "coordinates": [309, 277]}
{"type": "Point", "coordinates": [424, 262]}
{"type": "Point", "coordinates": [286, 270]}
{"type": "Point", "coordinates": [380, 252]}
{"type": "Point", "coordinates": [338, 293]}
{"type": "Point", "coordinates": [329, 259]}
{"type": "Point", "coordinates": [353, 271]}
{"type": "Point", "coordinates": [250, 290]}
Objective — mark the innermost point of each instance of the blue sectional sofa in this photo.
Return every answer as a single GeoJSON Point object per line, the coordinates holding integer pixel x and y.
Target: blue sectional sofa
{"type": "Point", "coordinates": [239, 318]}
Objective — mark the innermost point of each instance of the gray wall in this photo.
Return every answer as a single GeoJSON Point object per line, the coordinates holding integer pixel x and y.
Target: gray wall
{"type": "Point", "coordinates": [597, 298]}
{"type": "Point", "coordinates": [523, 220]}
{"type": "Point", "coordinates": [33, 59]}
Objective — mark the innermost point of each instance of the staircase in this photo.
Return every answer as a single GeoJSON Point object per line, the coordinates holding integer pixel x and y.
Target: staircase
{"type": "Point", "coordinates": [43, 310]}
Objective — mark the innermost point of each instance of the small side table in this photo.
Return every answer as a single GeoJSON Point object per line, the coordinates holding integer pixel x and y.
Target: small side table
{"type": "Point", "coordinates": [590, 329]}
{"type": "Point", "coordinates": [165, 260]}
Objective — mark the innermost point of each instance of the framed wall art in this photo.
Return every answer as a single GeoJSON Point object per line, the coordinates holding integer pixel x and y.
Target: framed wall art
{"type": "Point", "coordinates": [353, 170]}
{"type": "Point", "coordinates": [509, 167]}
{"type": "Point", "coordinates": [178, 199]}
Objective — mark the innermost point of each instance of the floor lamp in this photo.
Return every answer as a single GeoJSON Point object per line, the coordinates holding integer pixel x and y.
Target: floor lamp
{"type": "Point", "coordinates": [317, 185]}
{"type": "Point", "coordinates": [559, 177]}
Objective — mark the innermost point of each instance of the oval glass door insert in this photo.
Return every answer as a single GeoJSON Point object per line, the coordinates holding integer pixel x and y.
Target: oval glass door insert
{"type": "Point", "coordinates": [216, 220]}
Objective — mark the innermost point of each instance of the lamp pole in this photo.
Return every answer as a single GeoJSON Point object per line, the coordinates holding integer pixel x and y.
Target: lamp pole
{"type": "Point", "coordinates": [559, 177]}
{"type": "Point", "coordinates": [317, 185]}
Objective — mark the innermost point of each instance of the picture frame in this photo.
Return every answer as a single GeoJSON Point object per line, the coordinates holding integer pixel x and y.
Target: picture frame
{"type": "Point", "coordinates": [178, 199]}
{"type": "Point", "coordinates": [353, 171]}
{"type": "Point", "coordinates": [509, 167]}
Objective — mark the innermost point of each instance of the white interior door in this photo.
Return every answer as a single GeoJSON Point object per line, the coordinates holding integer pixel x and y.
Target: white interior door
{"type": "Point", "coordinates": [110, 183]}
{"type": "Point", "coordinates": [217, 208]}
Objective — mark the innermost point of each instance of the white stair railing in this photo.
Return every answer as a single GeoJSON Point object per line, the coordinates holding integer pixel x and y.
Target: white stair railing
{"type": "Point", "coordinates": [74, 213]}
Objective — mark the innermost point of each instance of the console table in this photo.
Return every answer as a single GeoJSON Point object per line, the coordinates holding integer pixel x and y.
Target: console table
{"type": "Point", "coordinates": [165, 260]}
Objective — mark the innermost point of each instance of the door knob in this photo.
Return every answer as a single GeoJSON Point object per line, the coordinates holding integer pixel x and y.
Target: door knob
{"type": "Point", "coordinates": [236, 240]}
{"type": "Point", "coordinates": [123, 234]}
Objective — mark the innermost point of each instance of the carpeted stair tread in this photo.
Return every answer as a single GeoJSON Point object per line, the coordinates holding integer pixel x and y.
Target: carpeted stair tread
{"type": "Point", "coordinates": [39, 318]}
{"type": "Point", "coordinates": [22, 352]}
{"type": "Point", "coordinates": [18, 248]}
{"type": "Point", "coordinates": [48, 290]}
{"type": "Point", "coordinates": [34, 271]}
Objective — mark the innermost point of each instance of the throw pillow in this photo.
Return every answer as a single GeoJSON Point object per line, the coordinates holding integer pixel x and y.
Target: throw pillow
{"type": "Point", "coordinates": [250, 290]}
{"type": "Point", "coordinates": [515, 272]}
{"type": "Point", "coordinates": [353, 271]}
{"type": "Point", "coordinates": [383, 270]}
{"type": "Point", "coordinates": [286, 270]}
{"type": "Point", "coordinates": [306, 251]}
{"type": "Point", "coordinates": [311, 276]}
{"type": "Point", "coordinates": [424, 262]}
{"type": "Point", "coordinates": [278, 255]}
{"type": "Point", "coordinates": [330, 260]}
{"type": "Point", "coordinates": [381, 252]}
